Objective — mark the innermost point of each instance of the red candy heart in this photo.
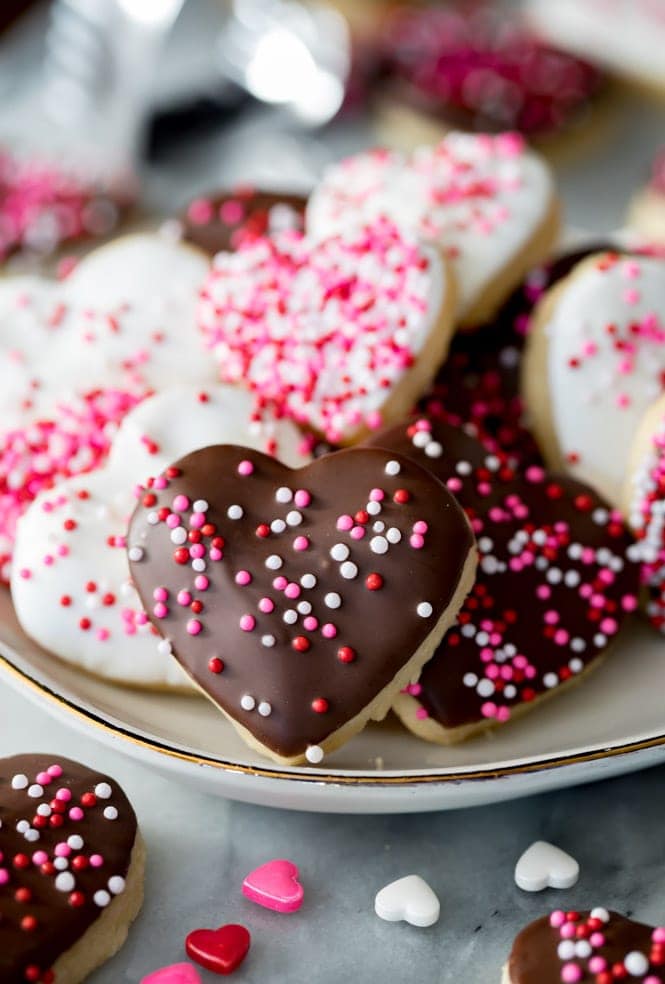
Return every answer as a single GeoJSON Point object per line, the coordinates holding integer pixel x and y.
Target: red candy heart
{"type": "Point", "coordinates": [219, 950]}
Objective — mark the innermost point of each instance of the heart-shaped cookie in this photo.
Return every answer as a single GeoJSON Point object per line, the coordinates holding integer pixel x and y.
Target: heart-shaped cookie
{"type": "Point", "coordinates": [594, 362]}
{"type": "Point", "coordinates": [219, 950]}
{"type": "Point", "coordinates": [71, 586]}
{"type": "Point", "coordinates": [223, 222]}
{"type": "Point", "coordinates": [409, 899]}
{"type": "Point", "coordinates": [486, 202]}
{"type": "Point", "coordinates": [591, 947]}
{"type": "Point", "coordinates": [545, 865]}
{"type": "Point", "coordinates": [71, 869]}
{"type": "Point", "coordinates": [275, 885]}
{"type": "Point", "coordinates": [340, 334]}
{"type": "Point", "coordinates": [300, 602]}
{"type": "Point", "coordinates": [554, 586]}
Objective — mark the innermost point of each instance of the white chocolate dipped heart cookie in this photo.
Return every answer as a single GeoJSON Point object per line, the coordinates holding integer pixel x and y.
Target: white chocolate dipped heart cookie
{"type": "Point", "coordinates": [71, 585]}
{"type": "Point", "coordinates": [340, 334]}
{"type": "Point", "coordinates": [487, 203]}
{"type": "Point", "coordinates": [595, 361]}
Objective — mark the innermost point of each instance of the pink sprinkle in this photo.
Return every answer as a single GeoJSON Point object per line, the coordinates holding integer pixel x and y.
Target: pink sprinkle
{"type": "Point", "coordinates": [197, 520]}
{"type": "Point", "coordinates": [302, 498]}
{"type": "Point", "coordinates": [420, 526]}
{"type": "Point", "coordinates": [4, 876]}
{"type": "Point", "coordinates": [571, 973]}
{"type": "Point", "coordinates": [245, 468]}
{"type": "Point", "coordinates": [535, 474]}
{"type": "Point", "coordinates": [64, 795]}
{"type": "Point", "coordinates": [597, 939]}
{"type": "Point", "coordinates": [311, 623]}
{"type": "Point", "coordinates": [96, 860]}
{"type": "Point", "coordinates": [658, 935]}
{"type": "Point", "coordinates": [55, 771]}
{"type": "Point", "coordinates": [301, 543]}
{"type": "Point", "coordinates": [629, 604]}
{"type": "Point", "coordinates": [279, 582]}
{"type": "Point", "coordinates": [344, 523]}
{"type": "Point", "coordinates": [622, 400]}
{"type": "Point", "coordinates": [184, 598]}
{"type": "Point", "coordinates": [357, 533]}
{"type": "Point", "coordinates": [247, 623]}
{"type": "Point", "coordinates": [416, 541]}
{"type": "Point", "coordinates": [103, 635]}
{"type": "Point", "coordinates": [243, 578]}
{"type": "Point", "coordinates": [160, 610]}
{"type": "Point", "coordinates": [39, 857]}
{"type": "Point", "coordinates": [567, 931]}
{"type": "Point", "coordinates": [631, 295]}
{"type": "Point", "coordinates": [62, 850]}
{"type": "Point", "coordinates": [172, 521]}
{"type": "Point", "coordinates": [215, 554]}
{"type": "Point", "coordinates": [43, 778]}
{"type": "Point", "coordinates": [194, 626]}
{"type": "Point", "coordinates": [266, 605]}
{"type": "Point", "coordinates": [292, 590]}
{"type": "Point", "coordinates": [597, 964]}
{"type": "Point", "coordinates": [160, 594]}
{"type": "Point", "coordinates": [328, 630]}
{"type": "Point", "coordinates": [488, 709]}
{"type": "Point", "coordinates": [76, 813]}
{"type": "Point", "coordinates": [231, 212]}
{"type": "Point", "coordinates": [201, 582]}
{"type": "Point", "coordinates": [422, 713]}
{"type": "Point", "coordinates": [161, 482]}
{"type": "Point", "coordinates": [200, 211]}
{"type": "Point", "coordinates": [377, 495]}
{"type": "Point", "coordinates": [180, 503]}
{"type": "Point", "coordinates": [503, 714]}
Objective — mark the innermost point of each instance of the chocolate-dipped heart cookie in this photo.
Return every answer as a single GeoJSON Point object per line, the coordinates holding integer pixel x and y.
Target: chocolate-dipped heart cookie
{"type": "Point", "coordinates": [300, 601]}
{"type": "Point", "coordinates": [554, 586]}
{"type": "Point", "coordinates": [595, 947]}
{"type": "Point", "coordinates": [71, 869]}
{"type": "Point", "coordinates": [224, 222]}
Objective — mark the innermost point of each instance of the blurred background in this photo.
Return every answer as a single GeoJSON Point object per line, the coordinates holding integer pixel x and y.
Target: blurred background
{"type": "Point", "coordinates": [159, 101]}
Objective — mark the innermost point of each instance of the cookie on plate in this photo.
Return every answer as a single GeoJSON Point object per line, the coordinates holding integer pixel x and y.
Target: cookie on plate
{"type": "Point", "coordinates": [594, 362]}
{"type": "Point", "coordinates": [486, 202]}
{"type": "Point", "coordinates": [300, 601]}
{"type": "Point", "coordinates": [589, 947]}
{"type": "Point", "coordinates": [554, 586]}
{"type": "Point", "coordinates": [71, 869]}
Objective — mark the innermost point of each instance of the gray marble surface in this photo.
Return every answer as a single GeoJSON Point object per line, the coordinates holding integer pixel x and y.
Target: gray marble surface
{"type": "Point", "coordinates": [200, 848]}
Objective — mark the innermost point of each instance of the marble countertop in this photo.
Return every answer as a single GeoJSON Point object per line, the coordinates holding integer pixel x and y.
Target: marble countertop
{"type": "Point", "coordinates": [200, 848]}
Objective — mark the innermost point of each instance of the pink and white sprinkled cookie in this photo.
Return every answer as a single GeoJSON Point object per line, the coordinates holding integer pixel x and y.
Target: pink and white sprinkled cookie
{"type": "Point", "coordinates": [554, 586]}
{"type": "Point", "coordinates": [71, 869]}
{"type": "Point", "coordinates": [341, 334]}
{"type": "Point", "coordinates": [595, 361]}
{"type": "Point", "coordinates": [71, 585]}
{"type": "Point", "coordinates": [300, 602]}
{"type": "Point", "coordinates": [124, 319]}
{"type": "Point", "coordinates": [487, 203]}
{"type": "Point", "coordinates": [591, 947]}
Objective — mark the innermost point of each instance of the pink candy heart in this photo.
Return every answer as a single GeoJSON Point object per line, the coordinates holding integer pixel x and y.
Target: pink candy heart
{"type": "Point", "coordinates": [182, 973]}
{"type": "Point", "coordinates": [275, 885]}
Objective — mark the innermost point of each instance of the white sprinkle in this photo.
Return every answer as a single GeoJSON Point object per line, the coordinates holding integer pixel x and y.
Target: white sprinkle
{"type": "Point", "coordinates": [35, 791]}
{"type": "Point", "coordinates": [22, 826]}
{"type": "Point", "coordinates": [394, 467]}
{"type": "Point", "coordinates": [308, 581]}
{"type": "Point", "coordinates": [340, 551]}
{"type": "Point", "coordinates": [61, 864]}
{"type": "Point", "coordinates": [378, 544]}
{"type": "Point", "coordinates": [284, 494]}
{"type": "Point", "coordinates": [179, 535]}
{"type": "Point", "coordinates": [201, 506]}
{"type": "Point", "coordinates": [164, 647]}
{"type": "Point", "coordinates": [566, 950]}
{"type": "Point", "coordinates": [247, 702]}
{"type": "Point", "coordinates": [433, 449]}
{"type": "Point", "coordinates": [294, 518]}
{"type": "Point", "coordinates": [583, 949]}
{"type": "Point", "coordinates": [65, 881]}
{"type": "Point", "coordinates": [19, 781]}
{"type": "Point", "coordinates": [373, 507]}
{"type": "Point", "coordinates": [463, 468]}
{"type": "Point", "coordinates": [601, 914]}
{"type": "Point", "coordinates": [44, 810]}
{"type": "Point", "coordinates": [379, 526]}
{"type": "Point", "coordinates": [110, 813]}
{"type": "Point", "coordinates": [509, 691]}
{"type": "Point", "coordinates": [304, 607]}
{"type": "Point", "coordinates": [421, 439]}
{"type": "Point", "coordinates": [314, 754]}
{"type": "Point", "coordinates": [153, 518]}
{"type": "Point", "coordinates": [551, 680]}
{"type": "Point", "coordinates": [278, 526]}
{"type": "Point", "coordinates": [485, 688]}
{"type": "Point", "coordinates": [198, 565]}
{"type": "Point", "coordinates": [135, 553]}
{"type": "Point", "coordinates": [575, 665]}
{"type": "Point", "coordinates": [103, 791]}
{"type": "Point", "coordinates": [348, 570]}
{"type": "Point", "coordinates": [101, 898]}
{"type": "Point", "coordinates": [75, 841]}
{"type": "Point", "coordinates": [264, 709]}
{"type": "Point", "coordinates": [268, 641]}
{"type": "Point", "coordinates": [116, 884]}
{"type": "Point", "coordinates": [273, 562]}
{"type": "Point", "coordinates": [469, 679]}
{"type": "Point", "coordinates": [424, 609]}
{"type": "Point", "coordinates": [394, 535]}
{"type": "Point", "coordinates": [31, 835]}
{"type": "Point", "coordinates": [290, 616]}
{"type": "Point", "coordinates": [332, 600]}
{"type": "Point", "coordinates": [235, 512]}
{"type": "Point", "coordinates": [636, 963]}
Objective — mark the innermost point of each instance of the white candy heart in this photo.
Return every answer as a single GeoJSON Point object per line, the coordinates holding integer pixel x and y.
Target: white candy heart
{"type": "Point", "coordinates": [71, 586]}
{"type": "Point", "coordinates": [481, 199]}
{"type": "Point", "coordinates": [409, 899]}
{"type": "Point", "coordinates": [544, 865]}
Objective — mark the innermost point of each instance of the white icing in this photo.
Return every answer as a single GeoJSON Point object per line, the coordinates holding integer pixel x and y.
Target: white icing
{"type": "Point", "coordinates": [432, 194]}
{"type": "Point", "coordinates": [587, 402]}
{"type": "Point", "coordinates": [626, 35]}
{"type": "Point", "coordinates": [178, 422]}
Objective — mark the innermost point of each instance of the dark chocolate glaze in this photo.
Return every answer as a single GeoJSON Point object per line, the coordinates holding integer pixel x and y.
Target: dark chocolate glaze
{"type": "Point", "coordinates": [504, 601]}
{"type": "Point", "coordinates": [534, 958]}
{"type": "Point", "coordinates": [207, 225]}
{"type": "Point", "coordinates": [479, 384]}
{"type": "Point", "coordinates": [59, 924]}
{"type": "Point", "coordinates": [381, 626]}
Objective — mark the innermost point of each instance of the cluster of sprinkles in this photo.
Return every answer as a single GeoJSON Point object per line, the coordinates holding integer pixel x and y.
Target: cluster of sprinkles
{"type": "Point", "coordinates": [42, 206]}
{"type": "Point", "coordinates": [487, 69]}
{"type": "Point", "coordinates": [285, 597]}
{"type": "Point", "coordinates": [582, 939]}
{"type": "Point", "coordinates": [515, 641]}
{"type": "Point", "coordinates": [227, 221]}
{"type": "Point", "coordinates": [52, 852]}
{"type": "Point", "coordinates": [647, 520]}
{"type": "Point", "coordinates": [321, 332]}
{"type": "Point", "coordinates": [35, 457]}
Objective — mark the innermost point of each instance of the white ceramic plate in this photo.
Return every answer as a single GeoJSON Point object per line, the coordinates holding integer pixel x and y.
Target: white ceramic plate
{"type": "Point", "coordinates": [613, 723]}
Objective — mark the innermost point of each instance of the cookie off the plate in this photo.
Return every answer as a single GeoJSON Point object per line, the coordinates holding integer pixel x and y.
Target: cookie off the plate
{"type": "Point", "coordinates": [300, 601]}
{"type": "Point", "coordinates": [71, 869]}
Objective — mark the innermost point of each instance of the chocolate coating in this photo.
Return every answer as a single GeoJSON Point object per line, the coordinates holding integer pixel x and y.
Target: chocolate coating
{"type": "Point", "coordinates": [381, 625]}
{"type": "Point", "coordinates": [59, 924]}
{"type": "Point", "coordinates": [222, 222]}
{"type": "Point", "coordinates": [532, 598]}
{"type": "Point", "coordinates": [534, 958]}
